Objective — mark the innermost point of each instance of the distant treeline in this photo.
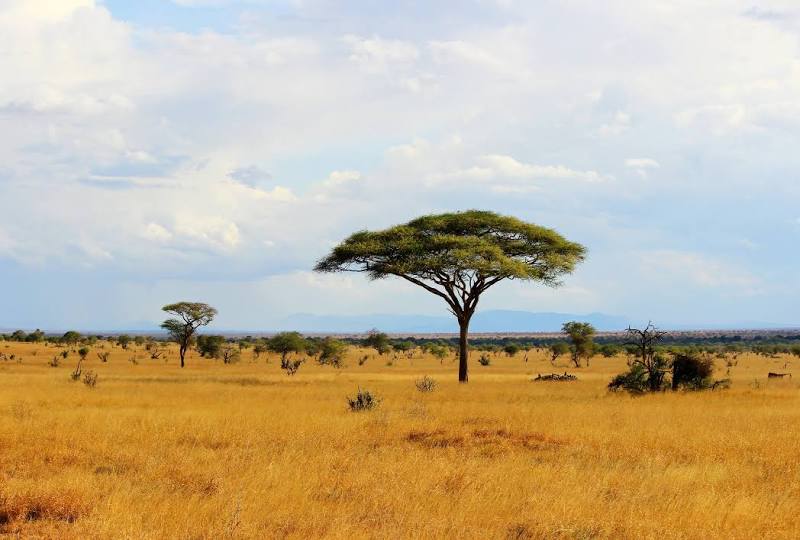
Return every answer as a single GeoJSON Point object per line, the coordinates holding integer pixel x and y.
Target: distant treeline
{"type": "Point", "coordinates": [606, 345]}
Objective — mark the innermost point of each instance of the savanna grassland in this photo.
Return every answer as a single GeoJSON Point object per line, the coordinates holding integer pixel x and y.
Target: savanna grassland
{"type": "Point", "coordinates": [244, 451]}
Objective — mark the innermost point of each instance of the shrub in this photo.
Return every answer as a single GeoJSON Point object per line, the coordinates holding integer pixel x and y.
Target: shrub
{"type": "Point", "coordinates": [54, 362]}
{"type": "Point", "coordinates": [511, 349]}
{"type": "Point", "coordinates": [64, 354]}
{"type": "Point", "coordinates": [90, 379]}
{"type": "Point", "coordinates": [609, 350]}
{"type": "Point", "coordinates": [230, 354]}
{"type": "Point", "coordinates": [364, 400]}
{"type": "Point", "coordinates": [82, 352]}
{"type": "Point", "coordinates": [377, 340]}
{"type": "Point", "coordinates": [484, 360]}
{"type": "Point", "coordinates": [557, 349]}
{"type": "Point", "coordinates": [426, 384]}
{"type": "Point", "coordinates": [635, 380]}
{"type": "Point", "coordinates": [103, 356]}
{"type": "Point", "coordinates": [332, 352]}
{"type": "Point", "coordinates": [210, 346]}
{"type": "Point", "coordinates": [75, 375]}
{"type": "Point", "coordinates": [691, 372]}
{"type": "Point", "coordinates": [291, 366]}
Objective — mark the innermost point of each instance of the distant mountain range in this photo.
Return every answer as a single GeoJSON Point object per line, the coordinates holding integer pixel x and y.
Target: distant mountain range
{"type": "Point", "coordinates": [492, 321]}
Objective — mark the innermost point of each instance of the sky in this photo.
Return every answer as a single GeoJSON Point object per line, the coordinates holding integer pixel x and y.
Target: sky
{"type": "Point", "coordinates": [212, 150]}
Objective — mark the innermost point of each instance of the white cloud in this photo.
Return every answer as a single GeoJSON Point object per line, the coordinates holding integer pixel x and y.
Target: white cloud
{"type": "Point", "coordinates": [379, 55]}
{"type": "Point", "coordinates": [642, 165]}
{"type": "Point", "coordinates": [699, 270]}
{"type": "Point", "coordinates": [167, 151]}
{"type": "Point", "coordinates": [504, 174]}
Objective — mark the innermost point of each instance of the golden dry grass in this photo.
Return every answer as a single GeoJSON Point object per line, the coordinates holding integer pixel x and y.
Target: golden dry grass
{"type": "Point", "coordinates": [243, 451]}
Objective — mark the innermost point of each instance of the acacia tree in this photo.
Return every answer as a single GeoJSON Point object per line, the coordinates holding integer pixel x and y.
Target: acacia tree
{"type": "Point", "coordinates": [580, 334]}
{"type": "Point", "coordinates": [189, 317]}
{"type": "Point", "coordinates": [458, 256]}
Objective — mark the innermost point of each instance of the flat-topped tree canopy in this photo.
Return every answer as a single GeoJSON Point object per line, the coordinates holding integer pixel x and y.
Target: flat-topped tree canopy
{"type": "Point", "coordinates": [457, 256]}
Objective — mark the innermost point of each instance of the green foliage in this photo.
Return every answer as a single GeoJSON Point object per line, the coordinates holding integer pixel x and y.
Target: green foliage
{"type": "Point", "coordinates": [210, 346]}
{"type": "Point", "coordinates": [609, 350]}
{"type": "Point", "coordinates": [691, 372]}
{"type": "Point", "coordinates": [189, 316]}
{"type": "Point", "coordinates": [557, 349]}
{"type": "Point", "coordinates": [124, 340]}
{"type": "Point", "coordinates": [286, 343]}
{"type": "Point", "coordinates": [458, 256]}
{"type": "Point", "coordinates": [795, 350]}
{"type": "Point", "coordinates": [332, 352]}
{"type": "Point", "coordinates": [439, 351]}
{"type": "Point", "coordinates": [37, 336]}
{"type": "Point", "coordinates": [82, 352]}
{"type": "Point", "coordinates": [511, 349]}
{"type": "Point", "coordinates": [259, 348]}
{"type": "Point", "coordinates": [635, 380]}
{"type": "Point", "coordinates": [71, 337]}
{"type": "Point", "coordinates": [475, 241]}
{"type": "Point", "coordinates": [484, 360]}
{"type": "Point", "coordinates": [581, 335]}
{"type": "Point", "coordinates": [403, 346]}
{"type": "Point", "coordinates": [377, 340]}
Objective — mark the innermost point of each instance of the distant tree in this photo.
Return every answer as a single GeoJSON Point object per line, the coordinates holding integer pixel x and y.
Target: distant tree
{"type": "Point", "coordinates": [259, 348]}
{"type": "Point", "coordinates": [402, 346]}
{"type": "Point", "coordinates": [332, 352]}
{"type": "Point", "coordinates": [37, 336]}
{"type": "Point", "coordinates": [557, 349]}
{"type": "Point", "coordinates": [580, 334]}
{"type": "Point", "coordinates": [609, 350]}
{"type": "Point", "coordinates": [210, 346]}
{"type": "Point", "coordinates": [82, 352]}
{"type": "Point", "coordinates": [18, 335]}
{"type": "Point", "coordinates": [377, 340]}
{"type": "Point", "coordinates": [286, 343]}
{"type": "Point", "coordinates": [139, 340]}
{"type": "Point", "coordinates": [458, 257]}
{"type": "Point", "coordinates": [189, 316]}
{"type": "Point", "coordinates": [124, 340]}
{"type": "Point", "coordinates": [648, 368]}
{"type": "Point", "coordinates": [71, 337]}
{"type": "Point", "coordinates": [511, 349]}
{"type": "Point", "coordinates": [795, 350]}
{"type": "Point", "coordinates": [691, 372]}
{"type": "Point", "coordinates": [230, 353]}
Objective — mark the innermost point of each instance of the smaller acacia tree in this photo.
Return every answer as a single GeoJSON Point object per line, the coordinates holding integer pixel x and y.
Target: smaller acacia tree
{"type": "Point", "coordinates": [189, 316]}
{"type": "Point", "coordinates": [580, 334]}
{"type": "Point", "coordinates": [557, 349]}
{"type": "Point", "coordinates": [286, 343]}
{"type": "Point", "coordinates": [377, 340]}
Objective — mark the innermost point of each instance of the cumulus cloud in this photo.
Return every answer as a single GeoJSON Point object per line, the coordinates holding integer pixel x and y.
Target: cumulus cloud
{"type": "Point", "coordinates": [147, 151]}
{"type": "Point", "coordinates": [504, 174]}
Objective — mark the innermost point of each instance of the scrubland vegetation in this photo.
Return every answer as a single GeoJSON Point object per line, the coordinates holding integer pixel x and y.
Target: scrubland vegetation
{"type": "Point", "coordinates": [372, 440]}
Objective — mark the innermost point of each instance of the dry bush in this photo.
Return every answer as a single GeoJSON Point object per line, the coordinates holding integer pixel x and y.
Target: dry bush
{"type": "Point", "coordinates": [364, 400]}
{"type": "Point", "coordinates": [426, 384]}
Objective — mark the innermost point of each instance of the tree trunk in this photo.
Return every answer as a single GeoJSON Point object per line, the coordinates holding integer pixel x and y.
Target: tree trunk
{"type": "Point", "coordinates": [463, 350]}
{"type": "Point", "coordinates": [183, 353]}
